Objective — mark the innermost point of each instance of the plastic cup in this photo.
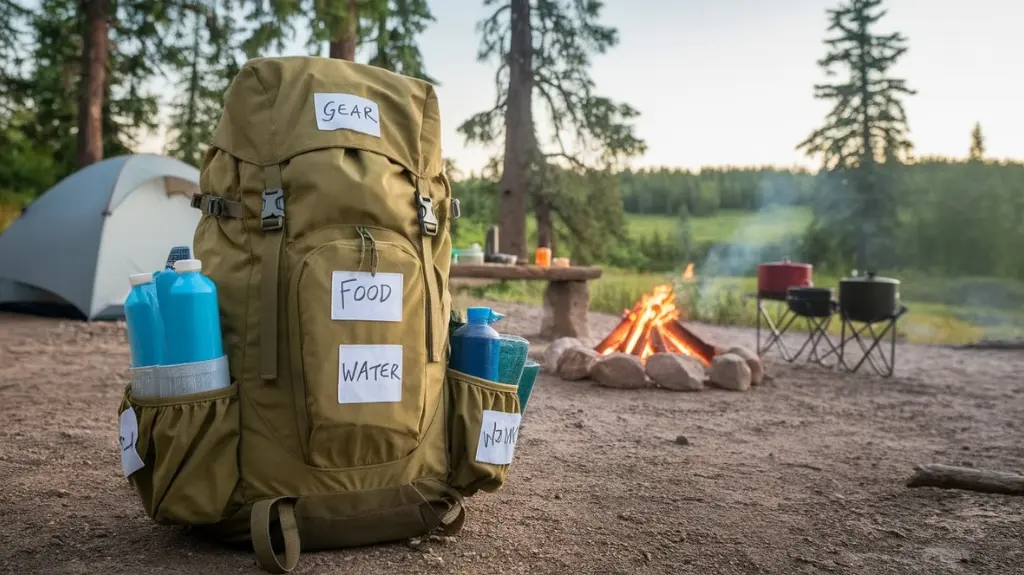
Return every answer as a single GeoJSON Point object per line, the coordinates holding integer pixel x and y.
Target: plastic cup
{"type": "Point", "coordinates": [529, 377]}
{"type": "Point", "coordinates": [512, 357]}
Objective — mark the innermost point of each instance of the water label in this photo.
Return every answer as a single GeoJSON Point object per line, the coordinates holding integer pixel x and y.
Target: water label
{"type": "Point", "coordinates": [366, 297]}
{"type": "Point", "coordinates": [369, 373]}
{"type": "Point", "coordinates": [498, 435]}
{"type": "Point", "coordinates": [346, 112]}
{"type": "Point", "coordinates": [129, 435]}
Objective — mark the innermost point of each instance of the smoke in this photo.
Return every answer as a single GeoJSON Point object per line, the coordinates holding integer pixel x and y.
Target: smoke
{"type": "Point", "coordinates": [773, 232]}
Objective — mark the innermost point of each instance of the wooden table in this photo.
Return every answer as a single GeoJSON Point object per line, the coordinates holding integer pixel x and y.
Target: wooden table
{"type": "Point", "coordinates": [566, 298]}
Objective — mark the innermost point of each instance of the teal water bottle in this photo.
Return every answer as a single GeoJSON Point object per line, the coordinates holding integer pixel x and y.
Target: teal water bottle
{"type": "Point", "coordinates": [191, 316]}
{"type": "Point", "coordinates": [476, 346]}
{"type": "Point", "coordinates": [145, 327]}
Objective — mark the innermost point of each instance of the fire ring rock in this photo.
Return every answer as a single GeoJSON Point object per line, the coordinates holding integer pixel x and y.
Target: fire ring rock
{"type": "Point", "coordinates": [621, 371]}
{"type": "Point", "coordinates": [730, 371]}
{"type": "Point", "coordinates": [577, 363]}
{"type": "Point", "coordinates": [754, 362]}
{"type": "Point", "coordinates": [553, 354]}
{"type": "Point", "coordinates": [676, 372]}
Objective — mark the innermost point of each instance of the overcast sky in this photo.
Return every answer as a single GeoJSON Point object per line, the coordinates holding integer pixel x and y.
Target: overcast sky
{"type": "Point", "coordinates": [730, 81]}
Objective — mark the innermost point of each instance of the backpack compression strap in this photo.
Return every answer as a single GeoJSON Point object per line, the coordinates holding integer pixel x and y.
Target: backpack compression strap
{"type": "Point", "coordinates": [272, 224]}
{"type": "Point", "coordinates": [259, 531]}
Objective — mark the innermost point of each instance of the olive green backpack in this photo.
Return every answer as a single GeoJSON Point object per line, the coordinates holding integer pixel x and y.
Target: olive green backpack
{"type": "Point", "coordinates": [326, 230]}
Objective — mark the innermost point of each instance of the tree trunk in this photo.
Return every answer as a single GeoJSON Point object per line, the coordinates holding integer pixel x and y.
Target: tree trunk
{"type": "Point", "coordinates": [344, 48]}
{"type": "Point", "coordinates": [545, 222]}
{"type": "Point", "coordinates": [95, 54]}
{"type": "Point", "coordinates": [519, 134]}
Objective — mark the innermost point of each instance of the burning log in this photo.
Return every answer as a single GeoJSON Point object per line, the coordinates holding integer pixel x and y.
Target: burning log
{"type": "Point", "coordinates": [653, 326]}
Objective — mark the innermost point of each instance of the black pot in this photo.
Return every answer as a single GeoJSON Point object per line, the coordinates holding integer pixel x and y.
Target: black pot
{"type": "Point", "coordinates": [870, 298]}
{"type": "Point", "coordinates": [810, 301]}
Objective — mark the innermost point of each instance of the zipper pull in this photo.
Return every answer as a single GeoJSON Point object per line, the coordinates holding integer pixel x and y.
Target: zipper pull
{"type": "Point", "coordinates": [366, 236]}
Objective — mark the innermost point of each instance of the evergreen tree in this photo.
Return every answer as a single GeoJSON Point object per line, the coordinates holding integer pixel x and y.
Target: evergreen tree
{"type": "Point", "coordinates": [543, 48]}
{"type": "Point", "coordinates": [53, 85]}
{"type": "Point", "coordinates": [395, 43]}
{"type": "Point", "coordinates": [389, 26]}
{"type": "Point", "coordinates": [206, 69]}
{"type": "Point", "coordinates": [13, 19]}
{"type": "Point", "coordinates": [866, 127]}
{"type": "Point", "coordinates": [977, 153]}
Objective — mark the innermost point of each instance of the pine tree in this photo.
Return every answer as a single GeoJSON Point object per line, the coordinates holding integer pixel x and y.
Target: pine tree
{"type": "Point", "coordinates": [13, 20]}
{"type": "Point", "coordinates": [389, 26]}
{"type": "Point", "coordinates": [866, 127]}
{"type": "Point", "coordinates": [977, 153]}
{"type": "Point", "coordinates": [543, 48]}
{"type": "Point", "coordinates": [398, 25]}
{"type": "Point", "coordinates": [51, 90]}
{"type": "Point", "coordinates": [206, 69]}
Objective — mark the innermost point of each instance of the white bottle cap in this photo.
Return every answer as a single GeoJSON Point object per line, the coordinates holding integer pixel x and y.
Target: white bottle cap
{"type": "Point", "coordinates": [188, 266]}
{"type": "Point", "coordinates": [139, 279]}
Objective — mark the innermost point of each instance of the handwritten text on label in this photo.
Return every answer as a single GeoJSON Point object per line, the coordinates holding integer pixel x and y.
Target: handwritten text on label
{"type": "Point", "coordinates": [346, 112]}
{"type": "Point", "coordinates": [128, 436]}
{"type": "Point", "coordinates": [366, 297]}
{"type": "Point", "coordinates": [369, 373]}
{"type": "Point", "coordinates": [499, 433]}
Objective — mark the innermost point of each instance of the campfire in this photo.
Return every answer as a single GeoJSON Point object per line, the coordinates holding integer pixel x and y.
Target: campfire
{"type": "Point", "coordinates": [654, 326]}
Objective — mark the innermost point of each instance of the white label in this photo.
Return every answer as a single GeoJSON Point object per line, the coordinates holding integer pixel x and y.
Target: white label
{"type": "Point", "coordinates": [366, 297]}
{"type": "Point", "coordinates": [498, 435]}
{"type": "Point", "coordinates": [346, 112]}
{"type": "Point", "coordinates": [129, 434]}
{"type": "Point", "coordinates": [369, 373]}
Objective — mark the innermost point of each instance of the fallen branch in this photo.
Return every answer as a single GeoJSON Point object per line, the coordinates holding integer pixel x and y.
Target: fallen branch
{"type": "Point", "coordinates": [1000, 344]}
{"type": "Point", "coordinates": [950, 477]}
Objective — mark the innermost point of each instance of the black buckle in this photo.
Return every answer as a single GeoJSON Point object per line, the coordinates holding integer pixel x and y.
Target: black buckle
{"type": "Point", "coordinates": [215, 206]}
{"type": "Point", "coordinates": [207, 203]}
{"type": "Point", "coordinates": [456, 208]}
{"type": "Point", "coordinates": [272, 214]}
{"type": "Point", "coordinates": [425, 215]}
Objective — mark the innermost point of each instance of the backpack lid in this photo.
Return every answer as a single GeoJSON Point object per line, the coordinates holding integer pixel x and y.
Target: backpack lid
{"type": "Point", "coordinates": [277, 108]}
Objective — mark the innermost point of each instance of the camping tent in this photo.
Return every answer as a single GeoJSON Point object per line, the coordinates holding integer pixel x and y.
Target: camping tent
{"type": "Point", "coordinates": [77, 244]}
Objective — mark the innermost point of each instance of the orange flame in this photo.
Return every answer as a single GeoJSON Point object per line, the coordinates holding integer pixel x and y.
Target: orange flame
{"type": "Point", "coordinates": [652, 326]}
{"type": "Point", "coordinates": [688, 272]}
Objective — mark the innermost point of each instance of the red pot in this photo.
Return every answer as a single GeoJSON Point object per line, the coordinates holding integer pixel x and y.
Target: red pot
{"type": "Point", "coordinates": [775, 278]}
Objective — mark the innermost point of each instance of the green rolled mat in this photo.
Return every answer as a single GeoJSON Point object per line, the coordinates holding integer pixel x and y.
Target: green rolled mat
{"type": "Point", "coordinates": [512, 358]}
{"type": "Point", "coordinates": [530, 371]}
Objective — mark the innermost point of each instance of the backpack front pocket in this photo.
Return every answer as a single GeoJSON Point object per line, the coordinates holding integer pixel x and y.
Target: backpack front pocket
{"type": "Point", "coordinates": [357, 335]}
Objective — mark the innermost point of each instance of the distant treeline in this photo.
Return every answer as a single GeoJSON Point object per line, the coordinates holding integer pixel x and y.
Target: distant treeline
{"type": "Point", "coordinates": [956, 217]}
{"type": "Point", "coordinates": [681, 192]}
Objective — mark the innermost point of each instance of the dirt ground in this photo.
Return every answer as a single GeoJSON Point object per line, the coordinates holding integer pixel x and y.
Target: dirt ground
{"type": "Point", "coordinates": [804, 474]}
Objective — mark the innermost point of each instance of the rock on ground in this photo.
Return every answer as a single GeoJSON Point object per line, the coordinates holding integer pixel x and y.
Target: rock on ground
{"type": "Point", "coordinates": [554, 352]}
{"type": "Point", "coordinates": [577, 363]}
{"type": "Point", "coordinates": [730, 371]}
{"type": "Point", "coordinates": [753, 362]}
{"type": "Point", "coordinates": [620, 370]}
{"type": "Point", "coordinates": [676, 372]}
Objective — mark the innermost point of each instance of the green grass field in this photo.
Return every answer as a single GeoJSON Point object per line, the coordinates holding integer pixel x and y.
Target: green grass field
{"type": "Point", "coordinates": [759, 228]}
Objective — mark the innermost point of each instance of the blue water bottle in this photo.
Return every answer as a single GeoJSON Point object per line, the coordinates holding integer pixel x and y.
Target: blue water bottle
{"type": "Point", "coordinates": [191, 316]}
{"type": "Point", "coordinates": [476, 346]}
{"type": "Point", "coordinates": [145, 328]}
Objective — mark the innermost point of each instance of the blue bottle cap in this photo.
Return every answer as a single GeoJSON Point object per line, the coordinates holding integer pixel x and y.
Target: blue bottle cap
{"type": "Point", "coordinates": [484, 315]}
